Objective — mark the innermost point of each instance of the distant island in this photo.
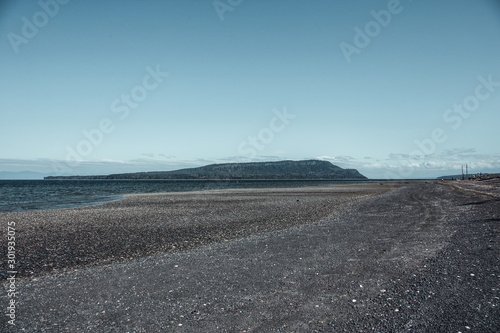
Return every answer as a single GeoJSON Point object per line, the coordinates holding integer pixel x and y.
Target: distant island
{"type": "Point", "coordinates": [282, 170]}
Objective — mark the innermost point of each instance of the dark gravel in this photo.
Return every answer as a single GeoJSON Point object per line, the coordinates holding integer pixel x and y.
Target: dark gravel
{"type": "Point", "coordinates": [422, 258]}
{"type": "Point", "coordinates": [145, 224]}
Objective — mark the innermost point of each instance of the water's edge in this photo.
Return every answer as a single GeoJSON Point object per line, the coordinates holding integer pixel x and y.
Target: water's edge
{"type": "Point", "coordinates": [31, 195]}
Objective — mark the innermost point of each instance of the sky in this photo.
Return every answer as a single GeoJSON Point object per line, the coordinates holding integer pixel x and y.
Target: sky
{"type": "Point", "coordinates": [395, 89]}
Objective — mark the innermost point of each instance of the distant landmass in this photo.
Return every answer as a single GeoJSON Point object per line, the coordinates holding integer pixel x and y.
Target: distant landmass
{"type": "Point", "coordinates": [22, 175]}
{"type": "Point", "coordinates": [450, 177]}
{"type": "Point", "coordinates": [282, 170]}
{"type": "Point", "coordinates": [481, 176]}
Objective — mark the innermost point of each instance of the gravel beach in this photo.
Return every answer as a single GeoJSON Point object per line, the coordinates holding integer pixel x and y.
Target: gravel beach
{"type": "Point", "coordinates": [144, 224]}
{"type": "Point", "coordinates": [383, 258]}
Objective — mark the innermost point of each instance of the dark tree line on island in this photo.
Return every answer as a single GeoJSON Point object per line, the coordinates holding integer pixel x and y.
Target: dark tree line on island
{"type": "Point", "coordinates": [282, 170]}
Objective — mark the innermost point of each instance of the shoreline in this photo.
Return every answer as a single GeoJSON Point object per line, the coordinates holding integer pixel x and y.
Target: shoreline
{"type": "Point", "coordinates": [99, 195]}
{"type": "Point", "coordinates": [422, 257]}
{"type": "Point", "coordinates": [141, 224]}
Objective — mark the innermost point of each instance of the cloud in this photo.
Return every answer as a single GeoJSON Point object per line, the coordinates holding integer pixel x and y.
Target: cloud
{"type": "Point", "coordinates": [399, 165]}
{"type": "Point", "coordinates": [342, 158]}
{"type": "Point", "coordinates": [166, 156]}
{"type": "Point", "coordinates": [245, 159]}
{"type": "Point", "coordinates": [395, 166]}
{"type": "Point", "coordinates": [270, 158]}
{"type": "Point", "coordinates": [458, 151]}
{"type": "Point", "coordinates": [462, 155]}
{"type": "Point", "coordinates": [105, 166]}
{"type": "Point", "coordinates": [398, 156]}
{"type": "Point", "coordinates": [158, 156]}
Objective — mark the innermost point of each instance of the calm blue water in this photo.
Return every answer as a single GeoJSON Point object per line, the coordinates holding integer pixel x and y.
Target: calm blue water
{"type": "Point", "coordinates": [26, 195]}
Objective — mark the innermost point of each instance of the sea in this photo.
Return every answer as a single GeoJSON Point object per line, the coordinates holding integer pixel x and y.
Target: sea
{"type": "Point", "coordinates": [30, 195]}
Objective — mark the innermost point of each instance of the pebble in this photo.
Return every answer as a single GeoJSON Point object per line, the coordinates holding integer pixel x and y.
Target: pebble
{"type": "Point", "coordinates": [169, 223]}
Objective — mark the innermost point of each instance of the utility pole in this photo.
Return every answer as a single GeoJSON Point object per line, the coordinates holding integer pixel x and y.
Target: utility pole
{"type": "Point", "coordinates": [462, 172]}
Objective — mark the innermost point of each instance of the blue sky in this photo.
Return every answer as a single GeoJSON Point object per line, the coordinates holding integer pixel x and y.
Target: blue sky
{"type": "Point", "coordinates": [395, 89]}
